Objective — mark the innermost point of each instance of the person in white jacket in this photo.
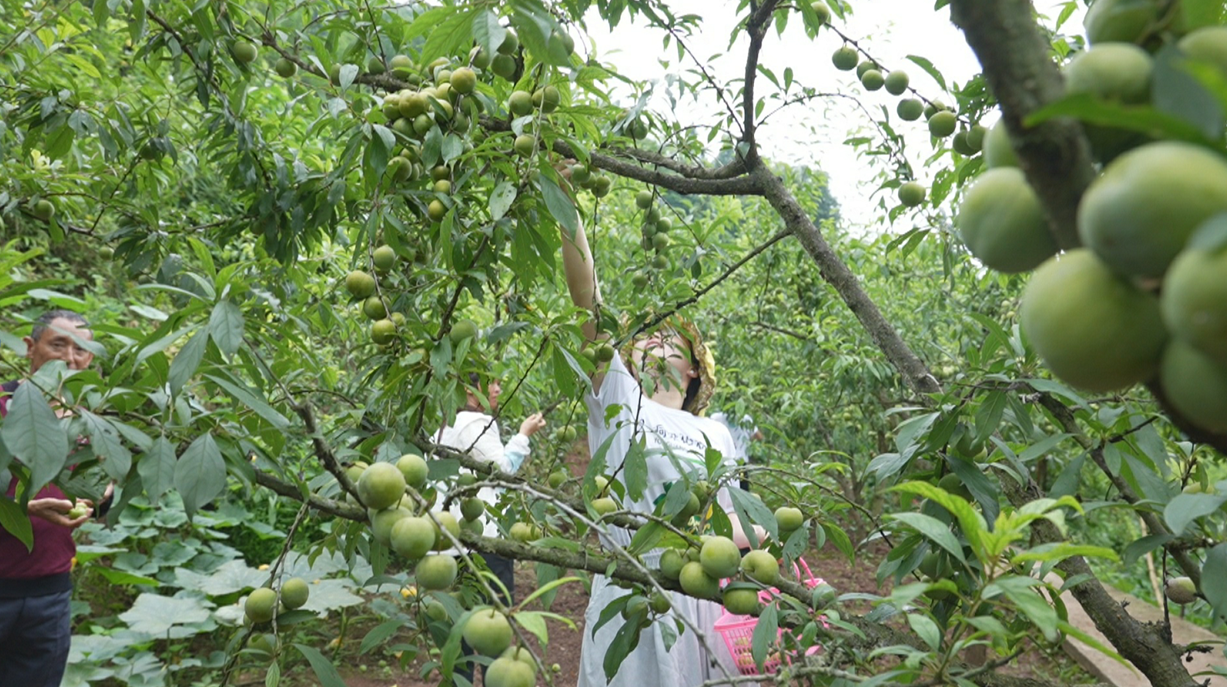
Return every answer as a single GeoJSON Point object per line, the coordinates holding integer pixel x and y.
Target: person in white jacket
{"type": "Point", "coordinates": [476, 432]}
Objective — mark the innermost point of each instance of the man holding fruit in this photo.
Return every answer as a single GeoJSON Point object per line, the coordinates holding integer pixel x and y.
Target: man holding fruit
{"type": "Point", "coordinates": [35, 585]}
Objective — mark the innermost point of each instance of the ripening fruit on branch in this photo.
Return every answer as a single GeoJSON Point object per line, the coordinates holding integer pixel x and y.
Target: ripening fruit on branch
{"type": "Point", "coordinates": [463, 80]}
{"type": "Point", "coordinates": [1196, 385]}
{"type": "Point", "coordinates": [359, 284]}
{"type": "Point", "coordinates": [1002, 222]}
{"type": "Point", "coordinates": [1126, 21]}
{"type": "Point", "coordinates": [1180, 590]}
{"type": "Point", "coordinates": [720, 557]}
{"type": "Point", "coordinates": [383, 332]}
{"type": "Point", "coordinates": [824, 13]}
{"type": "Point", "coordinates": [1138, 215]}
{"type": "Point", "coordinates": [696, 582]}
{"type": "Point", "coordinates": [998, 151]}
{"type": "Point", "coordinates": [872, 79]}
{"type": "Point", "coordinates": [943, 123]}
{"type": "Point", "coordinates": [1208, 45]}
{"type": "Point", "coordinates": [488, 632]}
{"type": "Point", "coordinates": [295, 592]}
{"type": "Point", "coordinates": [1194, 298]}
{"type": "Point", "coordinates": [1092, 328]}
{"type": "Point", "coordinates": [261, 605]}
{"type": "Point", "coordinates": [845, 58]}
{"type": "Point", "coordinates": [381, 486]}
{"type": "Point", "coordinates": [506, 671]}
{"type": "Point", "coordinates": [243, 52]}
{"type": "Point", "coordinates": [761, 566]}
{"type": "Point", "coordinates": [414, 469]}
{"type": "Point", "coordinates": [412, 537]}
{"type": "Point", "coordinates": [285, 68]}
{"type": "Point", "coordinates": [43, 209]}
{"type": "Point", "coordinates": [787, 520]}
{"type": "Point", "coordinates": [520, 103]}
{"type": "Point", "coordinates": [912, 194]}
{"type": "Point", "coordinates": [436, 572]}
{"type": "Point", "coordinates": [897, 82]}
{"type": "Point", "coordinates": [910, 109]}
{"type": "Point", "coordinates": [383, 521]}
{"type": "Point", "coordinates": [464, 329]}
{"type": "Point", "coordinates": [740, 600]}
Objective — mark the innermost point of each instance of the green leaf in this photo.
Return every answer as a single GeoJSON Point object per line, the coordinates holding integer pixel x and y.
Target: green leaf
{"type": "Point", "coordinates": [766, 634]}
{"type": "Point", "coordinates": [104, 440]}
{"type": "Point", "coordinates": [33, 434]}
{"type": "Point", "coordinates": [929, 69]}
{"type": "Point", "coordinates": [926, 629]}
{"type": "Point", "coordinates": [1036, 608]}
{"type": "Point", "coordinates": [933, 529]}
{"type": "Point", "coordinates": [1141, 547]}
{"type": "Point", "coordinates": [119, 577]}
{"type": "Point", "coordinates": [226, 326]}
{"type": "Point", "coordinates": [1178, 93]}
{"type": "Point", "coordinates": [559, 205]}
{"type": "Point", "coordinates": [624, 642]}
{"type": "Point", "coordinates": [752, 511]}
{"type": "Point", "coordinates": [1214, 578]}
{"type": "Point", "coordinates": [488, 31]}
{"type": "Point", "coordinates": [989, 415]}
{"type": "Point", "coordinates": [1211, 236]}
{"type": "Point", "coordinates": [972, 522]}
{"type": "Point", "coordinates": [248, 398]}
{"type": "Point", "coordinates": [158, 616]}
{"type": "Point", "coordinates": [200, 474]}
{"type": "Point", "coordinates": [187, 360]}
{"type": "Point", "coordinates": [156, 467]}
{"type": "Point", "coordinates": [1085, 107]}
{"type": "Point", "coordinates": [547, 588]}
{"type": "Point", "coordinates": [324, 670]}
{"type": "Point", "coordinates": [16, 522]}
{"type": "Point", "coordinates": [1185, 508]}
{"type": "Point", "coordinates": [534, 622]}
{"type": "Point", "coordinates": [501, 199]}
{"type": "Point", "coordinates": [378, 634]}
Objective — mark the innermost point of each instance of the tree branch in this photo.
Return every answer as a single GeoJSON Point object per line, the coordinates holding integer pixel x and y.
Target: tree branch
{"type": "Point", "coordinates": [756, 27]}
{"type": "Point", "coordinates": [1157, 659]}
{"type": "Point", "coordinates": [837, 274]}
{"type": "Point", "coordinates": [1054, 154]}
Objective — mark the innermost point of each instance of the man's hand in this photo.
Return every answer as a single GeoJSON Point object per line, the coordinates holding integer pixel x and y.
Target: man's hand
{"type": "Point", "coordinates": [57, 512]}
{"type": "Point", "coordinates": [532, 424]}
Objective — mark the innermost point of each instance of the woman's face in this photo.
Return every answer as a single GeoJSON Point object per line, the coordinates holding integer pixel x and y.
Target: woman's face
{"type": "Point", "coordinates": [665, 347]}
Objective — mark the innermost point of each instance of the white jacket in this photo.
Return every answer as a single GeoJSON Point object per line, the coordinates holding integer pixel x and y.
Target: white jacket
{"type": "Point", "coordinates": [478, 434]}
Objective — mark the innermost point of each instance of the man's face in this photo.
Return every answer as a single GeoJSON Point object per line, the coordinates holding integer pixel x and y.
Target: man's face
{"type": "Point", "coordinates": [59, 342]}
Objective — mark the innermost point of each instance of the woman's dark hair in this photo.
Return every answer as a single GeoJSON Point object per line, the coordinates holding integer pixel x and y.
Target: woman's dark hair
{"type": "Point", "coordinates": [692, 389]}
{"type": "Point", "coordinates": [482, 384]}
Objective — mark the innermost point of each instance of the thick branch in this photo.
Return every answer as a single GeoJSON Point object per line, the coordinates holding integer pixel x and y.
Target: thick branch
{"type": "Point", "coordinates": [1016, 61]}
{"type": "Point", "coordinates": [1153, 522]}
{"type": "Point", "coordinates": [838, 275]}
{"type": "Point", "coordinates": [733, 169]}
{"type": "Point", "coordinates": [756, 27]}
{"type": "Point", "coordinates": [1158, 660]}
{"type": "Point", "coordinates": [337, 508]}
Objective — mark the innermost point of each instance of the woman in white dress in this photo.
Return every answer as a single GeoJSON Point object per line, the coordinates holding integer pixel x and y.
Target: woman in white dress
{"type": "Point", "coordinates": [677, 435]}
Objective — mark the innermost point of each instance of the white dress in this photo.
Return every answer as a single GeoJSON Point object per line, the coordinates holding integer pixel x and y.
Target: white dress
{"type": "Point", "coordinates": [687, 437]}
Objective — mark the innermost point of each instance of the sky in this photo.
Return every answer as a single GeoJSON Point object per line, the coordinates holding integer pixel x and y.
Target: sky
{"type": "Point", "coordinates": [813, 133]}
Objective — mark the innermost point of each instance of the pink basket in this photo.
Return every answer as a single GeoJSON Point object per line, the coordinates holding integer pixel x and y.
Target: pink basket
{"type": "Point", "coordinates": [738, 630]}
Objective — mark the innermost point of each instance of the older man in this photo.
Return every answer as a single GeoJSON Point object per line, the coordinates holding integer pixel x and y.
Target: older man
{"type": "Point", "coordinates": [35, 586]}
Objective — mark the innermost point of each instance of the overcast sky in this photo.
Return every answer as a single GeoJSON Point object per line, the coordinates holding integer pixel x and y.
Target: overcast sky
{"type": "Point", "coordinates": [812, 134]}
